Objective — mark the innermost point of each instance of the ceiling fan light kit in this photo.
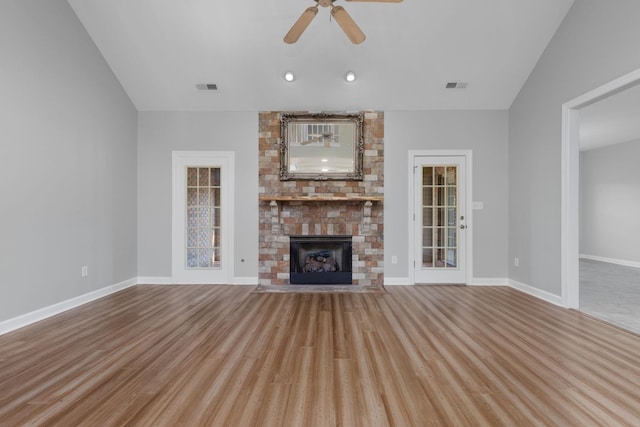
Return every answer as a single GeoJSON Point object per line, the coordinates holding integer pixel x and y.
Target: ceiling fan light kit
{"type": "Point", "coordinates": [339, 13]}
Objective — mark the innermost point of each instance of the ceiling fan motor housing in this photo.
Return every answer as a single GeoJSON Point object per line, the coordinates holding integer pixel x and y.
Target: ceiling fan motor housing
{"type": "Point", "coordinates": [325, 3]}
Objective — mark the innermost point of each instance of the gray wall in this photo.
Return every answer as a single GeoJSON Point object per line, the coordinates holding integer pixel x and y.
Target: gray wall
{"type": "Point", "coordinates": [483, 132]}
{"type": "Point", "coordinates": [596, 43]}
{"type": "Point", "coordinates": [160, 133]}
{"type": "Point", "coordinates": [610, 202]}
{"type": "Point", "coordinates": [67, 161]}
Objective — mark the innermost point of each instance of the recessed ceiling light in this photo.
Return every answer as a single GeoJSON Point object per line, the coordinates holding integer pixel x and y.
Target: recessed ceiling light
{"type": "Point", "coordinates": [350, 76]}
{"type": "Point", "coordinates": [289, 76]}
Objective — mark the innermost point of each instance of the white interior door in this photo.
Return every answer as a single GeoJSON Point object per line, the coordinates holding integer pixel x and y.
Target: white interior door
{"type": "Point", "coordinates": [440, 219]}
{"type": "Point", "coordinates": [202, 222]}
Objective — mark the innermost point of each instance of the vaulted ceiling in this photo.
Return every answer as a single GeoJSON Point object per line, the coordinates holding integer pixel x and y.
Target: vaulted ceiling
{"type": "Point", "coordinates": [161, 49]}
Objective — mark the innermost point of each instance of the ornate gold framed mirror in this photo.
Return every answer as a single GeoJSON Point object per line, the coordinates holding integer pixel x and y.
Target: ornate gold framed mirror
{"type": "Point", "coordinates": [322, 146]}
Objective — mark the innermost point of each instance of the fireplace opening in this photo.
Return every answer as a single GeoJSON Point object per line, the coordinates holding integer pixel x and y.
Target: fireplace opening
{"type": "Point", "coordinates": [320, 260]}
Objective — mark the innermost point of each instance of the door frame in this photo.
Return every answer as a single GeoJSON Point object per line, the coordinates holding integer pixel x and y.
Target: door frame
{"type": "Point", "coordinates": [468, 155]}
{"type": "Point", "coordinates": [570, 182]}
{"type": "Point", "coordinates": [224, 159]}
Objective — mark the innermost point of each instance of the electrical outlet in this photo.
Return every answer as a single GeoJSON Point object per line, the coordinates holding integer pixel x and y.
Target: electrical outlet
{"type": "Point", "coordinates": [85, 271]}
{"type": "Point", "coordinates": [516, 262]}
{"type": "Point", "coordinates": [394, 259]}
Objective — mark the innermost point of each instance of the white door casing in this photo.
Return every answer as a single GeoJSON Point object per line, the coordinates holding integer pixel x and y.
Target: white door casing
{"type": "Point", "coordinates": [220, 269]}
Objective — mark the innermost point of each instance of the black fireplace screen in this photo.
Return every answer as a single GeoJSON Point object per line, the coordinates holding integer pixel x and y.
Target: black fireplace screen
{"type": "Point", "coordinates": [320, 260]}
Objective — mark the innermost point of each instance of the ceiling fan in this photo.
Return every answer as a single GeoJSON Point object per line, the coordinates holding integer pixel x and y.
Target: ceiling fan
{"type": "Point", "coordinates": [345, 21]}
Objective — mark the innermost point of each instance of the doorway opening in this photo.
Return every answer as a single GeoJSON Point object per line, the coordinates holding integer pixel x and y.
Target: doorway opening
{"type": "Point", "coordinates": [571, 215]}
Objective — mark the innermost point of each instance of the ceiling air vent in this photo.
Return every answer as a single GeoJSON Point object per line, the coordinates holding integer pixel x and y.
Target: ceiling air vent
{"type": "Point", "coordinates": [456, 85]}
{"type": "Point", "coordinates": [207, 86]}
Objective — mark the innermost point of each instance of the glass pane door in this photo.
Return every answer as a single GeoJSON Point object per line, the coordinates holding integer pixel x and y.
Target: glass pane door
{"type": "Point", "coordinates": [202, 217]}
{"type": "Point", "coordinates": [439, 216]}
{"type": "Point", "coordinates": [203, 227]}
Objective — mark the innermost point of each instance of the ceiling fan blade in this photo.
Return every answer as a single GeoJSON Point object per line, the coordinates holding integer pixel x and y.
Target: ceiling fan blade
{"type": "Point", "coordinates": [378, 1]}
{"type": "Point", "coordinates": [300, 25]}
{"type": "Point", "coordinates": [348, 25]}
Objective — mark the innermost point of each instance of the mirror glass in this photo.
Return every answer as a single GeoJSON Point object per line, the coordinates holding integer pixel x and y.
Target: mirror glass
{"type": "Point", "coordinates": [321, 146]}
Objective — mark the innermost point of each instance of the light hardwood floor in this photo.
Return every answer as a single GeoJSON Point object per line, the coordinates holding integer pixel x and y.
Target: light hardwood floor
{"type": "Point", "coordinates": [223, 356]}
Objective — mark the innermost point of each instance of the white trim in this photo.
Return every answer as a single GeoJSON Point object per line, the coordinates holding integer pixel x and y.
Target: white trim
{"type": "Point", "coordinates": [226, 161]}
{"type": "Point", "coordinates": [52, 310]}
{"type": "Point", "coordinates": [570, 209]}
{"type": "Point", "coordinates": [538, 293]}
{"type": "Point", "coordinates": [570, 203]}
{"type": "Point", "coordinates": [397, 281]}
{"type": "Point", "coordinates": [410, 213]}
{"type": "Point", "coordinates": [468, 155]}
{"type": "Point", "coordinates": [622, 262]}
{"type": "Point", "coordinates": [489, 281]}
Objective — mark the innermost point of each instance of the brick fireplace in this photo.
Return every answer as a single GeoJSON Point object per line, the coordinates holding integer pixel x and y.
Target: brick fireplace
{"type": "Point", "coordinates": [321, 208]}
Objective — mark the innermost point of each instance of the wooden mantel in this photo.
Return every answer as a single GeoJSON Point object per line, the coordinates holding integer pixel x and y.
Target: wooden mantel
{"type": "Point", "coordinates": [321, 198]}
{"type": "Point", "coordinates": [275, 214]}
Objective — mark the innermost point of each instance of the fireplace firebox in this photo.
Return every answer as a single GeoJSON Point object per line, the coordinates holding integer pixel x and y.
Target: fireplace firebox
{"type": "Point", "coordinates": [320, 260]}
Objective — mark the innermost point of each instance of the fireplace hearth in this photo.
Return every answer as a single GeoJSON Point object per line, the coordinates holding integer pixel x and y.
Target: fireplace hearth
{"type": "Point", "coordinates": [320, 260]}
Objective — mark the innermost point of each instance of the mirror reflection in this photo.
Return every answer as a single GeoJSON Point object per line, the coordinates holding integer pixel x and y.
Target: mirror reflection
{"type": "Point", "coordinates": [321, 146]}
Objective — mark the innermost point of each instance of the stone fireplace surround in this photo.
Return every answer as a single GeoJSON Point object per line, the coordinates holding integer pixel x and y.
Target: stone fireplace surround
{"type": "Point", "coordinates": [321, 208]}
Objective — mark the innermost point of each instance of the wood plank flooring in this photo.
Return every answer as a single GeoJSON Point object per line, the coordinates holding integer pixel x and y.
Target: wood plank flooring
{"type": "Point", "coordinates": [223, 356]}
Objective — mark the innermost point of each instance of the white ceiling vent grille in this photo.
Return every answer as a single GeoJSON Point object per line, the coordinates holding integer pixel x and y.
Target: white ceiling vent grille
{"type": "Point", "coordinates": [207, 86]}
{"type": "Point", "coordinates": [456, 85]}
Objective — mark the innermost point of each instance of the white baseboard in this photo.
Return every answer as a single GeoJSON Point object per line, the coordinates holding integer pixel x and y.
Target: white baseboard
{"type": "Point", "coordinates": [622, 262]}
{"type": "Point", "coordinates": [396, 281]}
{"type": "Point", "coordinates": [538, 293]}
{"type": "Point", "coordinates": [46, 312]}
{"type": "Point", "coordinates": [489, 281]}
